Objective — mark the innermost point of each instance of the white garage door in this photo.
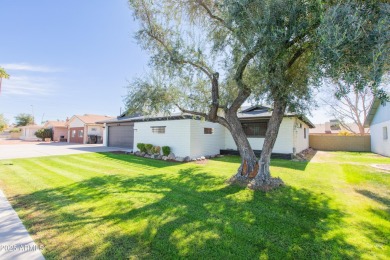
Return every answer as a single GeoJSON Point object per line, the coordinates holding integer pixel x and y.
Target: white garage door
{"type": "Point", "coordinates": [121, 136]}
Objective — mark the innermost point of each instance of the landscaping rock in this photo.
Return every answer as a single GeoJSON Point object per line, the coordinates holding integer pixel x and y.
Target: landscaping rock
{"type": "Point", "coordinates": [142, 154]}
{"type": "Point", "coordinates": [187, 159]}
{"type": "Point", "coordinates": [159, 157]}
{"type": "Point", "coordinates": [147, 156]}
{"type": "Point", "coordinates": [198, 159]}
{"type": "Point", "coordinates": [165, 158]}
{"type": "Point", "coordinates": [171, 156]}
{"type": "Point", "coordinates": [203, 158]}
{"type": "Point", "coordinates": [180, 159]}
{"type": "Point", "coordinates": [137, 153]}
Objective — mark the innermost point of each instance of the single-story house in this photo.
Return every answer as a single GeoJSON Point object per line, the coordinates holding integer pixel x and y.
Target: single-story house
{"type": "Point", "coordinates": [83, 129]}
{"type": "Point", "coordinates": [59, 128]}
{"type": "Point", "coordinates": [27, 132]}
{"type": "Point", "coordinates": [378, 119]}
{"type": "Point", "coordinates": [334, 127]}
{"type": "Point", "coordinates": [187, 135]}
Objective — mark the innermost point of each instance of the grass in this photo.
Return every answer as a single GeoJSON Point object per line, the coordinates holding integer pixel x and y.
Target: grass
{"type": "Point", "coordinates": [119, 206]}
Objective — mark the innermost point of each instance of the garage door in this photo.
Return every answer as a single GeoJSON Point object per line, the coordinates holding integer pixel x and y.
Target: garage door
{"type": "Point", "coordinates": [121, 136]}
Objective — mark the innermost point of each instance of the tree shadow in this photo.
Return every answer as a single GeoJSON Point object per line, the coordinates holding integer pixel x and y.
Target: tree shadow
{"type": "Point", "coordinates": [289, 164]}
{"type": "Point", "coordinates": [186, 214]}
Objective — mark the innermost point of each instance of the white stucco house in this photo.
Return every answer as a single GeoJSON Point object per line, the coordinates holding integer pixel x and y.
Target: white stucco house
{"type": "Point", "coordinates": [27, 132]}
{"type": "Point", "coordinates": [187, 135]}
{"type": "Point", "coordinates": [378, 119]}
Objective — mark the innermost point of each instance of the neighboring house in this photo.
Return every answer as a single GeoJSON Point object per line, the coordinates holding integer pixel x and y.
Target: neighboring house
{"type": "Point", "coordinates": [378, 119]}
{"type": "Point", "coordinates": [27, 133]}
{"type": "Point", "coordinates": [60, 130]}
{"type": "Point", "coordinates": [83, 129]}
{"type": "Point", "coordinates": [191, 136]}
{"type": "Point", "coordinates": [333, 127]}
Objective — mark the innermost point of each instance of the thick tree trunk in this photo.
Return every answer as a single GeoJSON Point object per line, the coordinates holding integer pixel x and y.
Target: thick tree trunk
{"type": "Point", "coordinates": [263, 178]}
{"type": "Point", "coordinates": [249, 165]}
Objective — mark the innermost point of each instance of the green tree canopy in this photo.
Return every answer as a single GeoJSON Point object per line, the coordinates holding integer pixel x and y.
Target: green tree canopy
{"type": "Point", "coordinates": [24, 119]}
{"type": "Point", "coordinates": [3, 74]}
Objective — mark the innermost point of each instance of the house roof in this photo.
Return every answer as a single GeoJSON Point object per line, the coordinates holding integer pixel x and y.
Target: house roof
{"type": "Point", "coordinates": [327, 128]}
{"type": "Point", "coordinates": [90, 118]}
{"type": "Point", "coordinates": [55, 124]}
{"type": "Point", "coordinates": [254, 112]}
{"type": "Point", "coordinates": [371, 113]}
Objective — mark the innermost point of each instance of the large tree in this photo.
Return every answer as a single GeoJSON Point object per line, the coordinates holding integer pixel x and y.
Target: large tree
{"type": "Point", "coordinates": [304, 42]}
{"type": "Point", "coordinates": [24, 119]}
{"type": "Point", "coordinates": [351, 108]}
{"type": "Point", "coordinates": [193, 66]}
{"type": "Point", "coordinates": [208, 57]}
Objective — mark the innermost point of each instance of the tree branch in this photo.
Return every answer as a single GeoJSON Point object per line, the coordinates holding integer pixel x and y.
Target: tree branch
{"type": "Point", "coordinates": [220, 20]}
{"type": "Point", "coordinates": [244, 91]}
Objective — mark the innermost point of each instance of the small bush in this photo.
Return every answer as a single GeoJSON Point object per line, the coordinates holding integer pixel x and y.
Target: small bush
{"type": "Point", "coordinates": [166, 150]}
{"type": "Point", "coordinates": [344, 133]}
{"type": "Point", "coordinates": [141, 147]}
{"type": "Point", "coordinates": [156, 149]}
{"type": "Point", "coordinates": [15, 130]}
{"type": "Point", "coordinates": [44, 133]}
{"type": "Point", "coordinates": [149, 148]}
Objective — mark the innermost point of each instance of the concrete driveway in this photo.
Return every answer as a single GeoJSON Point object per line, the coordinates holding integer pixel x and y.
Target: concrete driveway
{"type": "Point", "coordinates": [34, 149]}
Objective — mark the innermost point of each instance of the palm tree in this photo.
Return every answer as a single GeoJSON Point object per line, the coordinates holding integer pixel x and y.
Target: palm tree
{"type": "Point", "coordinates": [3, 74]}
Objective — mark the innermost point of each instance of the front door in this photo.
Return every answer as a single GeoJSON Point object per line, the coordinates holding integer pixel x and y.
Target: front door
{"type": "Point", "coordinates": [76, 135]}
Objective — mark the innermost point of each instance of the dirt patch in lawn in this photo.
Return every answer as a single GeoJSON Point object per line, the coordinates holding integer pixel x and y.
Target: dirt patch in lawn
{"type": "Point", "coordinates": [320, 156]}
{"type": "Point", "coordinates": [385, 167]}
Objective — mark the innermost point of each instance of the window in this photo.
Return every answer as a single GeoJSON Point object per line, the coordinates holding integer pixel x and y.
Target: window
{"type": "Point", "coordinates": [73, 133]}
{"type": "Point", "coordinates": [255, 129]}
{"type": "Point", "coordinates": [208, 131]}
{"type": "Point", "coordinates": [158, 129]}
{"type": "Point", "coordinates": [304, 133]}
{"type": "Point", "coordinates": [81, 133]}
{"type": "Point", "coordinates": [385, 136]}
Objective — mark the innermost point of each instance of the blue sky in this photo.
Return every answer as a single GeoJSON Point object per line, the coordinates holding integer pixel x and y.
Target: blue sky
{"type": "Point", "coordinates": [69, 57]}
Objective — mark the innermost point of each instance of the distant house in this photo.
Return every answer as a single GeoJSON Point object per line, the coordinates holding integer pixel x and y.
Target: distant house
{"type": "Point", "coordinates": [83, 129]}
{"type": "Point", "coordinates": [27, 132]}
{"type": "Point", "coordinates": [60, 130]}
{"type": "Point", "coordinates": [378, 120]}
{"type": "Point", "coordinates": [191, 136]}
{"type": "Point", "coordinates": [333, 127]}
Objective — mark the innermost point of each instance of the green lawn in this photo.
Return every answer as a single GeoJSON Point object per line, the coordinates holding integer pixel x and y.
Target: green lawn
{"type": "Point", "coordinates": [120, 206]}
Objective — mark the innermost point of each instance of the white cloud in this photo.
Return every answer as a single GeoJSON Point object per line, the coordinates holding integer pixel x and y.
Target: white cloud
{"type": "Point", "coordinates": [29, 67]}
{"type": "Point", "coordinates": [29, 86]}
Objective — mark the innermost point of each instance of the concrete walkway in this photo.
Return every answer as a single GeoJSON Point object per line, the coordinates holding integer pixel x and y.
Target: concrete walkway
{"type": "Point", "coordinates": [15, 242]}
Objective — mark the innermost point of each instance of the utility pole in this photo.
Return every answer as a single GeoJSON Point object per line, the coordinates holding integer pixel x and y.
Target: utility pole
{"type": "Point", "coordinates": [32, 109]}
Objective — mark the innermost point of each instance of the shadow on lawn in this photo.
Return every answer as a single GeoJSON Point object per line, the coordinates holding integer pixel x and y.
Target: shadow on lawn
{"type": "Point", "coordinates": [184, 214]}
{"type": "Point", "coordinates": [300, 166]}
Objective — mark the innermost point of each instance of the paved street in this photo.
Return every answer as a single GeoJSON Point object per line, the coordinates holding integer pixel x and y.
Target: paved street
{"type": "Point", "coordinates": [9, 150]}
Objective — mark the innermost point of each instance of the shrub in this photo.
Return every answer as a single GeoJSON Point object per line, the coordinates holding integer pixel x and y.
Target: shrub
{"type": "Point", "coordinates": [15, 130]}
{"type": "Point", "coordinates": [166, 150]}
{"type": "Point", "coordinates": [156, 149]}
{"type": "Point", "coordinates": [141, 147]}
{"type": "Point", "coordinates": [149, 148]}
{"type": "Point", "coordinates": [44, 133]}
{"type": "Point", "coordinates": [344, 133]}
